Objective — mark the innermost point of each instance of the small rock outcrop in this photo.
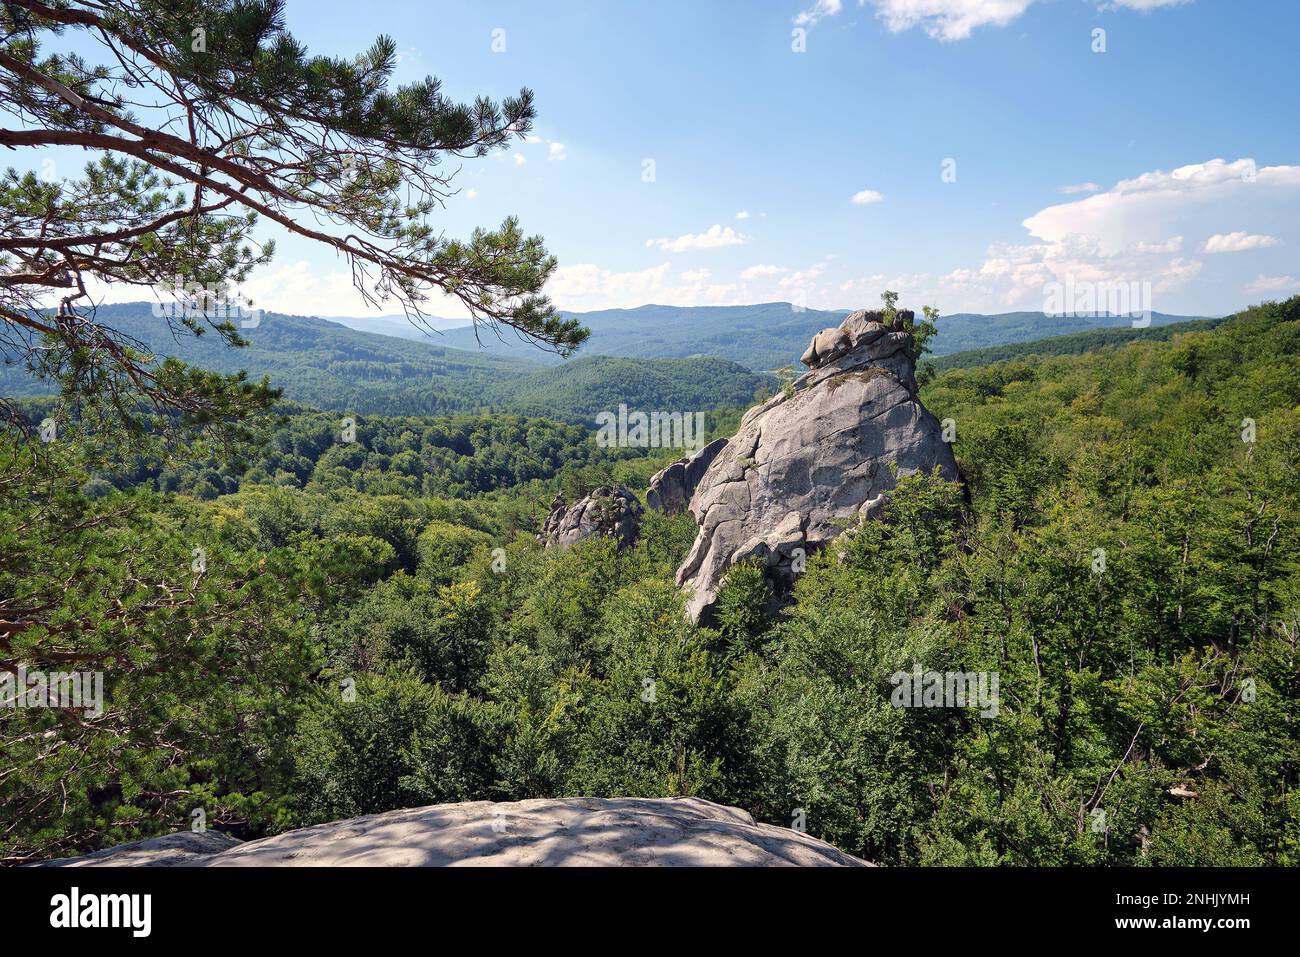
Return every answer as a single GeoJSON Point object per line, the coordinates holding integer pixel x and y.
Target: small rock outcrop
{"type": "Point", "coordinates": [599, 832]}
{"type": "Point", "coordinates": [830, 344]}
{"type": "Point", "coordinates": [671, 487]}
{"type": "Point", "coordinates": [813, 456]}
{"type": "Point", "coordinates": [610, 511]}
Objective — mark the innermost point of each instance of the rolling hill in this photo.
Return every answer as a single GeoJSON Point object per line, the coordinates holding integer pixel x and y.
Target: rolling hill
{"type": "Point", "coordinates": [769, 335]}
{"type": "Point", "coordinates": [323, 364]}
{"type": "Point", "coordinates": [652, 357]}
{"type": "Point", "coordinates": [1071, 344]}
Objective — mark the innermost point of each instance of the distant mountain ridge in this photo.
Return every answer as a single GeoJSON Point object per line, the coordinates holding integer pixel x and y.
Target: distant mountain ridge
{"type": "Point", "coordinates": [767, 336]}
{"type": "Point", "coordinates": [674, 358]}
{"type": "Point", "coordinates": [399, 326]}
{"type": "Point", "coordinates": [320, 363]}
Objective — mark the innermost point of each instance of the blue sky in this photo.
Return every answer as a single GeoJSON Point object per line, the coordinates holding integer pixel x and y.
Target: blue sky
{"type": "Point", "coordinates": [1181, 142]}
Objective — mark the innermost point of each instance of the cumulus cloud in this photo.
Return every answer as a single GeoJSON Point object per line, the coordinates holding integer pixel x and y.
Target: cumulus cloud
{"type": "Point", "coordinates": [1237, 242]}
{"type": "Point", "coordinates": [520, 159]}
{"type": "Point", "coordinates": [914, 290]}
{"type": "Point", "coordinates": [1131, 232]}
{"type": "Point", "coordinates": [1171, 245]}
{"type": "Point", "coordinates": [743, 214]}
{"type": "Point", "coordinates": [299, 289]}
{"type": "Point", "coordinates": [715, 236]}
{"type": "Point", "coordinates": [1146, 5]}
{"type": "Point", "coordinates": [302, 289]}
{"type": "Point", "coordinates": [762, 271]}
{"type": "Point", "coordinates": [1265, 285]}
{"type": "Point", "coordinates": [822, 8]}
{"type": "Point", "coordinates": [1159, 201]}
{"type": "Point", "coordinates": [1136, 231]}
{"type": "Point", "coordinates": [1013, 276]}
{"type": "Point", "coordinates": [555, 151]}
{"type": "Point", "coordinates": [866, 197]}
{"type": "Point", "coordinates": [950, 20]}
{"type": "Point", "coordinates": [803, 277]}
{"type": "Point", "coordinates": [586, 286]}
{"type": "Point", "coordinates": [1075, 188]}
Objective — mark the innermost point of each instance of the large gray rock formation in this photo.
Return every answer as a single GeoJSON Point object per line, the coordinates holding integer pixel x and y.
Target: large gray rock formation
{"type": "Point", "coordinates": [671, 487]}
{"type": "Point", "coordinates": [610, 511]}
{"type": "Point", "coordinates": [812, 457]}
{"type": "Point", "coordinates": [656, 832]}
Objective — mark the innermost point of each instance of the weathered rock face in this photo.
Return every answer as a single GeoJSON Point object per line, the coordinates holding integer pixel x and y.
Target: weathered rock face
{"type": "Point", "coordinates": [830, 344]}
{"type": "Point", "coordinates": [805, 461]}
{"type": "Point", "coordinates": [610, 511]}
{"type": "Point", "coordinates": [656, 832]}
{"type": "Point", "coordinates": [671, 487]}
{"type": "Point", "coordinates": [182, 849]}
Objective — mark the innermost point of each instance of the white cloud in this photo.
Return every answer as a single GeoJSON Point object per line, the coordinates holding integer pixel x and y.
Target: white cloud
{"type": "Point", "coordinates": [914, 289]}
{"type": "Point", "coordinates": [1012, 276]}
{"type": "Point", "coordinates": [1131, 232]}
{"type": "Point", "coordinates": [949, 20]}
{"type": "Point", "coordinates": [409, 59]}
{"type": "Point", "coordinates": [555, 151]}
{"type": "Point", "coordinates": [803, 277]}
{"type": "Point", "coordinates": [805, 288]}
{"type": "Point", "coordinates": [743, 214]}
{"type": "Point", "coordinates": [1137, 230]}
{"type": "Point", "coordinates": [1075, 188]}
{"type": "Point", "coordinates": [762, 271]}
{"type": "Point", "coordinates": [1159, 202]}
{"type": "Point", "coordinates": [1171, 245]}
{"type": "Point", "coordinates": [1147, 5]}
{"type": "Point", "coordinates": [822, 8]}
{"type": "Point", "coordinates": [586, 286]}
{"type": "Point", "coordinates": [866, 197]}
{"type": "Point", "coordinates": [1237, 242]}
{"type": "Point", "coordinates": [715, 236]}
{"type": "Point", "coordinates": [1272, 284]}
{"type": "Point", "coordinates": [520, 159]}
{"type": "Point", "coordinates": [471, 193]}
{"type": "Point", "coordinates": [302, 289]}
{"type": "Point", "coordinates": [583, 282]}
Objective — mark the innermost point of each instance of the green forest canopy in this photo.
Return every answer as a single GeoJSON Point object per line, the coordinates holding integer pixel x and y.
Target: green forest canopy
{"type": "Point", "coordinates": [357, 642]}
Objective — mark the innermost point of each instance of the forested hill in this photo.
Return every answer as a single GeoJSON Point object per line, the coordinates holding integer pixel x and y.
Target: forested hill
{"type": "Point", "coordinates": [653, 357]}
{"type": "Point", "coordinates": [1072, 344]}
{"type": "Point", "coordinates": [762, 336]}
{"type": "Point", "coordinates": [646, 357]}
{"type": "Point", "coordinates": [1122, 560]}
{"type": "Point", "coordinates": [329, 366]}
{"type": "Point", "coordinates": [769, 335]}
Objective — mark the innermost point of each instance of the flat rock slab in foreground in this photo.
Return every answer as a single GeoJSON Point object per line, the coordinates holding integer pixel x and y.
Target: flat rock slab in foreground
{"type": "Point", "coordinates": [616, 832]}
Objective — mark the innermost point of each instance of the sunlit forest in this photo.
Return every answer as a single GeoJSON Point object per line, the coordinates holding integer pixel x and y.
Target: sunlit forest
{"type": "Point", "coordinates": [298, 627]}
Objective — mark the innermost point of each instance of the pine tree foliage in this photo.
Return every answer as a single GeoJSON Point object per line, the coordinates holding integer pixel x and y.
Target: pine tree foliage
{"type": "Point", "coordinates": [203, 118]}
